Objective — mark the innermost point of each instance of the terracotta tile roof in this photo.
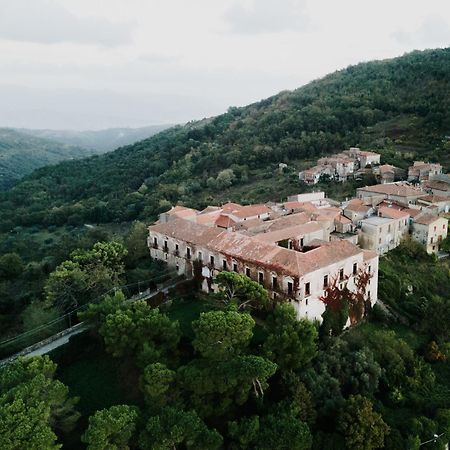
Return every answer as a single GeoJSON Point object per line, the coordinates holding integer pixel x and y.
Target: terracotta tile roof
{"type": "Point", "coordinates": [385, 168]}
{"type": "Point", "coordinates": [289, 233]}
{"type": "Point", "coordinates": [267, 255]}
{"type": "Point", "coordinates": [392, 205]}
{"type": "Point", "coordinates": [230, 207]}
{"type": "Point", "coordinates": [412, 212]}
{"type": "Point", "coordinates": [359, 208]}
{"type": "Point", "coordinates": [209, 209]}
{"type": "Point", "coordinates": [434, 199]}
{"type": "Point", "coordinates": [426, 219]}
{"type": "Point", "coordinates": [392, 213]}
{"type": "Point", "coordinates": [299, 205]}
{"type": "Point", "coordinates": [182, 211]}
{"type": "Point", "coordinates": [327, 213]}
{"type": "Point", "coordinates": [251, 210]}
{"type": "Point", "coordinates": [397, 189]}
{"type": "Point", "coordinates": [208, 218]}
{"type": "Point", "coordinates": [288, 221]}
{"type": "Point", "coordinates": [439, 185]}
{"type": "Point", "coordinates": [187, 231]}
{"type": "Point", "coordinates": [368, 255]}
{"type": "Point", "coordinates": [252, 223]}
{"type": "Point", "coordinates": [368, 153]}
{"type": "Point", "coordinates": [224, 221]}
{"type": "Point", "coordinates": [342, 219]}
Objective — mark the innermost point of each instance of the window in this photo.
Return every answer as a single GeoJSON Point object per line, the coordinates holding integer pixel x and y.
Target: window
{"type": "Point", "coordinates": [325, 281]}
{"type": "Point", "coordinates": [177, 249]}
{"type": "Point", "coordinates": [165, 246]}
{"type": "Point", "coordinates": [431, 239]}
{"type": "Point", "coordinates": [290, 287]}
{"type": "Point", "coordinates": [307, 289]}
{"type": "Point", "coordinates": [247, 271]}
{"type": "Point", "coordinates": [301, 242]}
{"type": "Point", "coordinates": [306, 303]}
{"type": "Point", "coordinates": [274, 282]}
{"type": "Point", "coordinates": [370, 269]}
{"type": "Point", "coordinates": [355, 268]}
{"type": "Point", "coordinates": [155, 242]}
{"type": "Point", "coordinates": [341, 274]}
{"type": "Point", "coordinates": [235, 267]}
{"type": "Point", "coordinates": [435, 228]}
{"type": "Point", "coordinates": [290, 245]}
{"type": "Point", "coordinates": [200, 256]}
{"type": "Point", "coordinates": [188, 253]}
{"type": "Point", "coordinates": [211, 260]}
{"type": "Point", "coordinates": [224, 265]}
{"type": "Point", "coordinates": [260, 278]}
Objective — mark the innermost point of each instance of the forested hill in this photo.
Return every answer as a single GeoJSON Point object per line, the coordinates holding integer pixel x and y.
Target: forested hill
{"type": "Point", "coordinates": [99, 140]}
{"type": "Point", "coordinates": [20, 154]}
{"type": "Point", "coordinates": [400, 106]}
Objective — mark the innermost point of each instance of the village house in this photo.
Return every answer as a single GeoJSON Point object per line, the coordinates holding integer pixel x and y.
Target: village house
{"type": "Point", "coordinates": [314, 174]}
{"type": "Point", "coordinates": [430, 230]}
{"type": "Point", "coordinates": [421, 171]}
{"type": "Point", "coordinates": [387, 173]}
{"type": "Point", "coordinates": [363, 158]}
{"type": "Point", "coordinates": [380, 234]}
{"type": "Point", "coordinates": [400, 192]}
{"type": "Point", "coordinates": [356, 210]}
{"type": "Point", "coordinates": [436, 203]}
{"type": "Point", "coordinates": [300, 274]}
{"type": "Point", "coordinates": [440, 187]}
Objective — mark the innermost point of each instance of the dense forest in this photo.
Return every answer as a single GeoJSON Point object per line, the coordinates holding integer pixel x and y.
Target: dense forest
{"type": "Point", "coordinates": [232, 370]}
{"type": "Point", "coordinates": [21, 153]}
{"type": "Point", "coordinates": [99, 140]}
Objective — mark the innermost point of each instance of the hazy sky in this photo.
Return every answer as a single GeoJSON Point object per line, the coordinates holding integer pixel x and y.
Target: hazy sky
{"type": "Point", "coordinates": [102, 63]}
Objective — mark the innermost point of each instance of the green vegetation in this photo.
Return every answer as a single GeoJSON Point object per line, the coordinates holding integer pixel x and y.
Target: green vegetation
{"type": "Point", "coordinates": [99, 140]}
{"type": "Point", "coordinates": [21, 153]}
{"type": "Point", "coordinates": [418, 291]}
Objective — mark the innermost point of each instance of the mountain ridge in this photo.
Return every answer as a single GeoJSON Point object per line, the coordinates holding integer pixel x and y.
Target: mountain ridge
{"type": "Point", "coordinates": [400, 107]}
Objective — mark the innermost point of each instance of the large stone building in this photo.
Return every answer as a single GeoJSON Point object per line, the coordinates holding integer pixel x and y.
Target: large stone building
{"type": "Point", "coordinates": [292, 256]}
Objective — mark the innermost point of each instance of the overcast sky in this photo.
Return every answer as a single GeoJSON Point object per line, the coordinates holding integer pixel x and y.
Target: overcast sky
{"type": "Point", "coordinates": [103, 63]}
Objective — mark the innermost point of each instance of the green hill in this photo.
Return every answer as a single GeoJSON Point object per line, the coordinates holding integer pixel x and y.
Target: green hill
{"type": "Point", "coordinates": [400, 107]}
{"type": "Point", "coordinates": [99, 140]}
{"type": "Point", "coordinates": [21, 153]}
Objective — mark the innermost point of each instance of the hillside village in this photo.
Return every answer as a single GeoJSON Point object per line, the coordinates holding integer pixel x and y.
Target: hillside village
{"type": "Point", "coordinates": [301, 248]}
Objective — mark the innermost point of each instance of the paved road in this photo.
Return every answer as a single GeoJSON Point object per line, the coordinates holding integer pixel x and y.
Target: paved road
{"type": "Point", "coordinates": [58, 342]}
{"type": "Point", "coordinates": [55, 344]}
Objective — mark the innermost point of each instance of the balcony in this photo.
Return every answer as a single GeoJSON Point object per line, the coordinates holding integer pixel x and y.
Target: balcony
{"type": "Point", "coordinates": [155, 246]}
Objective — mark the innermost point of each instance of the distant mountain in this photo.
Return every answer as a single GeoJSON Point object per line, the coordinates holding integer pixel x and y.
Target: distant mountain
{"type": "Point", "coordinates": [21, 153]}
{"type": "Point", "coordinates": [400, 107]}
{"type": "Point", "coordinates": [99, 140]}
